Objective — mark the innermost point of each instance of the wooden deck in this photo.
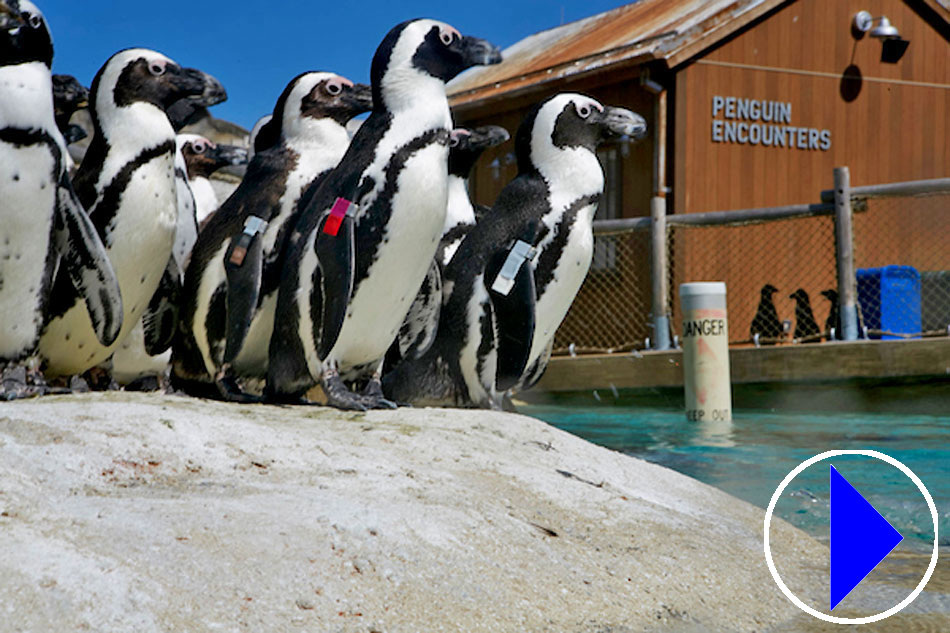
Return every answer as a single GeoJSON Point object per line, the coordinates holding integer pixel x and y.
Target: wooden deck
{"type": "Point", "coordinates": [823, 362]}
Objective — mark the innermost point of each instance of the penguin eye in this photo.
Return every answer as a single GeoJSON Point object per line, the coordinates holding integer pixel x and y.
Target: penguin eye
{"type": "Point", "coordinates": [334, 88]}
{"type": "Point", "coordinates": [34, 20]}
{"type": "Point", "coordinates": [198, 148]}
{"type": "Point", "coordinates": [446, 38]}
{"type": "Point", "coordinates": [453, 141]}
{"type": "Point", "coordinates": [583, 111]}
{"type": "Point", "coordinates": [156, 68]}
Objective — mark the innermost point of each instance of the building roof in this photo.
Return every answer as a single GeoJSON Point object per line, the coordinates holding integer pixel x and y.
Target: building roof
{"type": "Point", "coordinates": [669, 31]}
{"type": "Point", "coordinates": [635, 33]}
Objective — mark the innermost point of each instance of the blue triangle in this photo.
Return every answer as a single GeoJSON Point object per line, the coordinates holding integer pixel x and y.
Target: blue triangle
{"type": "Point", "coordinates": [860, 537]}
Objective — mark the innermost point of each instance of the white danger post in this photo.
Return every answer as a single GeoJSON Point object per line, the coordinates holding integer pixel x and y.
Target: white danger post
{"type": "Point", "coordinates": [706, 377]}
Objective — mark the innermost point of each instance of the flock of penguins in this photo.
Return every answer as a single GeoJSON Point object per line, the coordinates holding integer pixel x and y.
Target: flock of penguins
{"type": "Point", "coordinates": [356, 263]}
{"type": "Point", "coordinates": [768, 329]}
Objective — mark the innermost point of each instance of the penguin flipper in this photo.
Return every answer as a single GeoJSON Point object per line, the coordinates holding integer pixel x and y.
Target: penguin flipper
{"type": "Point", "coordinates": [515, 316]}
{"type": "Point", "coordinates": [244, 273]}
{"type": "Point", "coordinates": [160, 320]}
{"type": "Point", "coordinates": [87, 264]}
{"type": "Point", "coordinates": [337, 257]}
{"type": "Point", "coordinates": [422, 322]}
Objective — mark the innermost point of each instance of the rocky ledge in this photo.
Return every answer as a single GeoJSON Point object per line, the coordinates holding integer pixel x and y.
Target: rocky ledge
{"type": "Point", "coordinates": [123, 512]}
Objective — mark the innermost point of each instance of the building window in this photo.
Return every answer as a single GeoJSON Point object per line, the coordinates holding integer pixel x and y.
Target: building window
{"type": "Point", "coordinates": [610, 207]}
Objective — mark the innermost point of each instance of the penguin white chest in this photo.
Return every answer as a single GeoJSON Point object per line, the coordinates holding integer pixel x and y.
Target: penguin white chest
{"type": "Point", "coordinates": [139, 243]}
{"type": "Point", "coordinates": [27, 203]}
{"type": "Point", "coordinates": [569, 274]}
{"type": "Point", "coordinates": [404, 252]}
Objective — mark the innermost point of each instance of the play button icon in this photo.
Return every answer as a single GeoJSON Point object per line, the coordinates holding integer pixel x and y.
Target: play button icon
{"type": "Point", "coordinates": [860, 537]}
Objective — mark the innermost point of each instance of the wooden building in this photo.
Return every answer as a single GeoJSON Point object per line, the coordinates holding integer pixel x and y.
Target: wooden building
{"type": "Point", "coordinates": [751, 103]}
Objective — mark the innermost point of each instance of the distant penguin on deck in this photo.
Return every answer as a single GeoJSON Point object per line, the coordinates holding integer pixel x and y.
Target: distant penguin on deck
{"type": "Point", "coordinates": [127, 182]}
{"type": "Point", "coordinates": [231, 284]}
{"type": "Point", "coordinates": [766, 323]}
{"type": "Point", "coordinates": [833, 322]}
{"type": "Point", "coordinates": [44, 227]}
{"type": "Point", "coordinates": [805, 324]}
{"type": "Point", "coordinates": [368, 237]}
{"type": "Point", "coordinates": [516, 273]}
{"type": "Point", "coordinates": [418, 329]}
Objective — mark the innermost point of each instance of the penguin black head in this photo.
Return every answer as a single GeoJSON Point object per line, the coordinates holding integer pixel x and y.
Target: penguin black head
{"type": "Point", "coordinates": [204, 157]}
{"type": "Point", "coordinates": [466, 146]}
{"type": "Point", "coordinates": [568, 121]}
{"type": "Point", "coordinates": [768, 290]}
{"type": "Point", "coordinates": [831, 295]}
{"type": "Point", "coordinates": [24, 34]}
{"type": "Point", "coordinates": [313, 96]}
{"type": "Point", "coordinates": [142, 76]}
{"type": "Point", "coordinates": [68, 96]}
{"type": "Point", "coordinates": [800, 296]}
{"type": "Point", "coordinates": [419, 49]}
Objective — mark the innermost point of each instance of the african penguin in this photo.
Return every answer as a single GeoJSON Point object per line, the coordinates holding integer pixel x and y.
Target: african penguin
{"type": "Point", "coordinates": [44, 227]}
{"type": "Point", "coordinates": [461, 213]}
{"type": "Point", "coordinates": [766, 323]}
{"type": "Point", "coordinates": [517, 271]}
{"type": "Point", "coordinates": [127, 182]}
{"type": "Point", "coordinates": [363, 246]}
{"type": "Point", "coordinates": [202, 158]}
{"type": "Point", "coordinates": [418, 329]}
{"type": "Point", "coordinates": [805, 324]}
{"type": "Point", "coordinates": [69, 96]}
{"type": "Point", "coordinates": [231, 284]}
{"type": "Point", "coordinates": [143, 356]}
{"type": "Point", "coordinates": [833, 322]}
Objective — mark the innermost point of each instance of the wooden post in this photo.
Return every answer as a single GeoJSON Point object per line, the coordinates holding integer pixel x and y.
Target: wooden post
{"type": "Point", "coordinates": [659, 274]}
{"type": "Point", "coordinates": [844, 252]}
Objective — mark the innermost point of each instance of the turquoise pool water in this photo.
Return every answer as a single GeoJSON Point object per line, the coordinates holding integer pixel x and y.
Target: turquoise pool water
{"type": "Point", "coordinates": [750, 457]}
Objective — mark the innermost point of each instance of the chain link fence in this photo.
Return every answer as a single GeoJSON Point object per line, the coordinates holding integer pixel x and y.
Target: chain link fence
{"type": "Point", "coordinates": [775, 274]}
{"type": "Point", "coordinates": [780, 275]}
{"type": "Point", "coordinates": [902, 257]}
{"type": "Point", "coordinates": [612, 310]}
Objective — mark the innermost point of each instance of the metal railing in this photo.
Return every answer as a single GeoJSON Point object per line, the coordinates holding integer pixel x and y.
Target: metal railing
{"type": "Point", "coordinates": [864, 262]}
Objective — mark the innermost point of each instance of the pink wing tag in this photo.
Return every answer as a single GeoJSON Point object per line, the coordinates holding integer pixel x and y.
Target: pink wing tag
{"type": "Point", "coordinates": [340, 209]}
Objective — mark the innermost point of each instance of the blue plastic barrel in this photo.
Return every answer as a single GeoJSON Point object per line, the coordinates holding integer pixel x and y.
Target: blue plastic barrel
{"type": "Point", "coordinates": [890, 299]}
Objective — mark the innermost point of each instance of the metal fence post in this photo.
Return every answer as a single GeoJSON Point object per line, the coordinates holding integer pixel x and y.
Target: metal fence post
{"type": "Point", "coordinates": [658, 273]}
{"type": "Point", "coordinates": [844, 254]}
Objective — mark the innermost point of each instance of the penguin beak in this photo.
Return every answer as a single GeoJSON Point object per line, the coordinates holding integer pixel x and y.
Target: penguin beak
{"type": "Point", "coordinates": [619, 122]}
{"type": "Point", "coordinates": [477, 52]}
{"type": "Point", "coordinates": [190, 82]}
{"type": "Point", "coordinates": [359, 98]}
{"type": "Point", "coordinates": [9, 19]}
{"type": "Point", "coordinates": [226, 155]}
{"type": "Point", "coordinates": [488, 136]}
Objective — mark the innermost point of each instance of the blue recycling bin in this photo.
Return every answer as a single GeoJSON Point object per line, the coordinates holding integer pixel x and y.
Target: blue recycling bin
{"type": "Point", "coordinates": [890, 299]}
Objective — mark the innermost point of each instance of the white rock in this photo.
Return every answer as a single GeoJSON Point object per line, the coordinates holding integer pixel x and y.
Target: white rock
{"type": "Point", "coordinates": [131, 512]}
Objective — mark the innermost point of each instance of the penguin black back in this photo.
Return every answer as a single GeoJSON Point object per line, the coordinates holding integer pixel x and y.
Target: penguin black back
{"type": "Point", "coordinates": [805, 324]}
{"type": "Point", "coordinates": [766, 323]}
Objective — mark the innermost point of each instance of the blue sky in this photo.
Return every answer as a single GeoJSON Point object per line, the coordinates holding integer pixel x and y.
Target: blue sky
{"type": "Point", "coordinates": [255, 48]}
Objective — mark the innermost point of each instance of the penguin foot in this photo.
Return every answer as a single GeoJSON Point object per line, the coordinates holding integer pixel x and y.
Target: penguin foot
{"type": "Point", "coordinates": [16, 384]}
{"type": "Point", "coordinates": [231, 391]}
{"type": "Point", "coordinates": [373, 397]}
{"type": "Point", "coordinates": [339, 396]}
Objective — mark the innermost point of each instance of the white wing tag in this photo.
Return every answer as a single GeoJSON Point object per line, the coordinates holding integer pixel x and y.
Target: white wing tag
{"type": "Point", "coordinates": [517, 256]}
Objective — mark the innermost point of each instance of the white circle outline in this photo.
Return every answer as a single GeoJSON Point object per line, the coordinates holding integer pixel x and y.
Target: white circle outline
{"type": "Point", "coordinates": [768, 551]}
